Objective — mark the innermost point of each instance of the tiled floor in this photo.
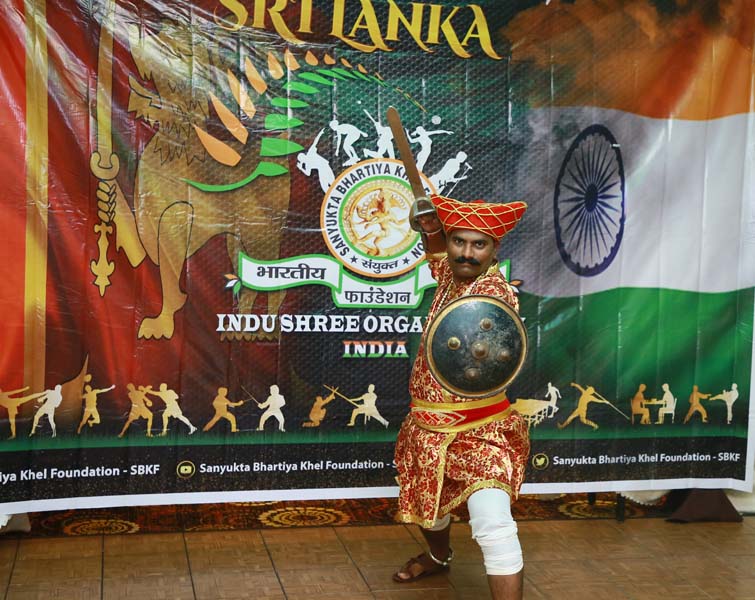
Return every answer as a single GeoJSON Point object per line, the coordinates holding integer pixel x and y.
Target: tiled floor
{"type": "Point", "coordinates": [590, 559]}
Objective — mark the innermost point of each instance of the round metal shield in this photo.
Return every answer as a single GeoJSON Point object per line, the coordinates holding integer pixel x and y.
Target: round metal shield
{"type": "Point", "coordinates": [476, 346]}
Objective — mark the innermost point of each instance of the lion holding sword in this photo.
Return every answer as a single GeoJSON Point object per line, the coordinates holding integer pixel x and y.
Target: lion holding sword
{"type": "Point", "coordinates": [169, 219]}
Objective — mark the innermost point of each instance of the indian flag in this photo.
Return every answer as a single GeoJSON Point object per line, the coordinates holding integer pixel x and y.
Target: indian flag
{"type": "Point", "coordinates": [637, 254]}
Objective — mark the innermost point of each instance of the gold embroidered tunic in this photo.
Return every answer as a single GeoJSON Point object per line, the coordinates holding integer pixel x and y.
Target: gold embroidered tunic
{"type": "Point", "coordinates": [438, 471]}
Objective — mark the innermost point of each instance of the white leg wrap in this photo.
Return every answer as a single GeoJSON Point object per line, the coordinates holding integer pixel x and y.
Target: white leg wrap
{"type": "Point", "coordinates": [495, 531]}
{"type": "Point", "coordinates": [441, 524]}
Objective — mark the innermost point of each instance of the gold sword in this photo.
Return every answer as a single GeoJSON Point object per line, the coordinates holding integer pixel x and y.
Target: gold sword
{"type": "Point", "coordinates": [103, 163]}
{"type": "Point", "coordinates": [335, 391]}
{"type": "Point", "coordinates": [252, 397]}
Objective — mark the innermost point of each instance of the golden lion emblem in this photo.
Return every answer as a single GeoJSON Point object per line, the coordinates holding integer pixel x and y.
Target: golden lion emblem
{"type": "Point", "coordinates": [169, 219]}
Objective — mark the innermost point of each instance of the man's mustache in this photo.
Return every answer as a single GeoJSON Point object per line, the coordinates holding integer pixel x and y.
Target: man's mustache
{"type": "Point", "coordinates": [463, 259]}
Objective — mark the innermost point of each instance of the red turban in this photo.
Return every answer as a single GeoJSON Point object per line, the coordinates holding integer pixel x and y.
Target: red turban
{"type": "Point", "coordinates": [495, 220]}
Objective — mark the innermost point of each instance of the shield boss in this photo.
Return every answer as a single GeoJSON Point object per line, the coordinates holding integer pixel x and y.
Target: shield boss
{"type": "Point", "coordinates": [475, 346]}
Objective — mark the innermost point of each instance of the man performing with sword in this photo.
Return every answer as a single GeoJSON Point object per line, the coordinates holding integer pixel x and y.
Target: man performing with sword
{"type": "Point", "coordinates": [450, 449]}
{"type": "Point", "coordinates": [367, 408]}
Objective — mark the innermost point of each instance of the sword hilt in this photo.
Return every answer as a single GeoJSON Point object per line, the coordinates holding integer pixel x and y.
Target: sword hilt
{"type": "Point", "coordinates": [421, 207]}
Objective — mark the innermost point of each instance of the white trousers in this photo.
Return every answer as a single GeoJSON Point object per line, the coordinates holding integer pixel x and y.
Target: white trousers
{"type": "Point", "coordinates": [494, 529]}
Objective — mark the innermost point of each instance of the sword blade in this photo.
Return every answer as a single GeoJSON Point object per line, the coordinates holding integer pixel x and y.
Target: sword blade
{"type": "Point", "coordinates": [402, 144]}
{"type": "Point", "coordinates": [103, 163]}
{"type": "Point", "coordinates": [335, 391]}
{"type": "Point", "coordinates": [248, 394]}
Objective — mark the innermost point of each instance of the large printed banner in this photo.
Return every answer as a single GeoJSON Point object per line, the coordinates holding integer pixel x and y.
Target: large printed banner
{"type": "Point", "coordinates": [210, 289]}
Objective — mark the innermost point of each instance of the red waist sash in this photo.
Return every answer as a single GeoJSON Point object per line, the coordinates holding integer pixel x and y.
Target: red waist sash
{"type": "Point", "coordinates": [450, 417]}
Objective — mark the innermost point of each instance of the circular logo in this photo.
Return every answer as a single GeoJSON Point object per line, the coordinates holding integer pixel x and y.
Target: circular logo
{"type": "Point", "coordinates": [185, 469]}
{"type": "Point", "coordinates": [365, 219]}
{"type": "Point", "coordinates": [540, 461]}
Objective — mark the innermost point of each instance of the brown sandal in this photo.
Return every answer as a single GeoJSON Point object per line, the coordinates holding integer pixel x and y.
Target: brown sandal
{"type": "Point", "coordinates": [429, 564]}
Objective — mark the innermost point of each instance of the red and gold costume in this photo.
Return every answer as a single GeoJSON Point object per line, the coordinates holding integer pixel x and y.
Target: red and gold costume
{"type": "Point", "coordinates": [439, 470]}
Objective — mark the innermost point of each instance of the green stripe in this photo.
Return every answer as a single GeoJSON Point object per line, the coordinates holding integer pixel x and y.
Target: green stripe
{"type": "Point", "coordinates": [617, 339]}
{"type": "Point", "coordinates": [179, 438]}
